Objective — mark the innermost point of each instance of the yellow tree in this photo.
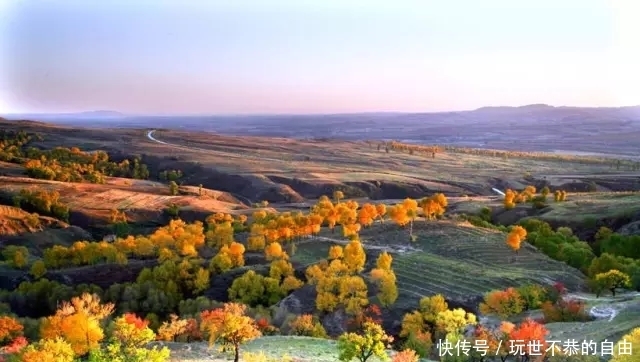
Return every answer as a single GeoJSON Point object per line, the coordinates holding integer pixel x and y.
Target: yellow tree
{"type": "Point", "coordinates": [367, 214]}
{"type": "Point", "coordinates": [385, 279]}
{"type": "Point", "coordinates": [256, 240]}
{"type": "Point", "coordinates": [333, 215]}
{"type": "Point", "coordinates": [398, 214]}
{"type": "Point", "coordinates": [372, 342]}
{"type": "Point", "coordinates": [431, 208]}
{"type": "Point", "coordinates": [515, 237]}
{"type": "Point", "coordinates": [411, 206]}
{"type": "Point", "coordinates": [275, 251]}
{"type": "Point", "coordinates": [350, 230]}
{"type": "Point", "coordinates": [626, 349]}
{"type": "Point", "coordinates": [387, 289]}
{"type": "Point", "coordinates": [229, 326]}
{"type": "Point", "coordinates": [236, 253]}
{"type": "Point", "coordinates": [381, 211]}
{"type": "Point", "coordinates": [48, 350]}
{"type": "Point", "coordinates": [336, 252]}
{"type": "Point", "coordinates": [514, 241]}
{"type": "Point", "coordinates": [509, 199]}
{"type": "Point", "coordinates": [354, 256]}
{"type": "Point", "coordinates": [353, 294]}
{"type": "Point", "coordinates": [338, 195]}
{"type": "Point", "coordinates": [454, 321]}
{"type": "Point", "coordinates": [78, 322]}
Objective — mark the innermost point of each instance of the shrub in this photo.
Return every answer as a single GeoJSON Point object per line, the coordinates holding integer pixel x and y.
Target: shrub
{"type": "Point", "coordinates": [532, 295]}
{"type": "Point", "coordinates": [503, 303]}
{"type": "Point", "coordinates": [564, 311]}
{"type": "Point", "coordinates": [307, 325]}
{"type": "Point", "coordinates": [408, 355]}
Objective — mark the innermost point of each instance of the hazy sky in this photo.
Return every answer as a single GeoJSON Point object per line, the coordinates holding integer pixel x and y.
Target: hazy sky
{"type": "Point", "coordinates": [302, 56]}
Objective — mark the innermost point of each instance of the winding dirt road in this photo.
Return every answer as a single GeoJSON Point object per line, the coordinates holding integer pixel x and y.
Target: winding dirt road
{"type": "Point", "coordinates": [197, 149]}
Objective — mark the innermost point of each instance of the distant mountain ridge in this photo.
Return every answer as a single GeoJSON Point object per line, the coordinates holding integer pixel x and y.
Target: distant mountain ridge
{"type": "Point", "coordinates": [52, 116]}
{"type": "Point", "coordinates": [537, 107]}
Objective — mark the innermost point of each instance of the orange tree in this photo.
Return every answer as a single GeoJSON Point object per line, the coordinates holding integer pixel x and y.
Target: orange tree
{"type": "Point", "coordinates": [229, 326]}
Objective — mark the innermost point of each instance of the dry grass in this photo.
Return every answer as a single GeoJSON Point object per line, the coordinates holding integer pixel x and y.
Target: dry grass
{"type": "Point", "coordinates": [13, 221]}
{"type": "Point", "coordinates": [352, 161]}
{"type": "Point", "coordinates": [98, 200]}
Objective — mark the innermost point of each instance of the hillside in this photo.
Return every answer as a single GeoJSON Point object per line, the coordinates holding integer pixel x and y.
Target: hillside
{"type": "Point", "coordinates": [312, 237]}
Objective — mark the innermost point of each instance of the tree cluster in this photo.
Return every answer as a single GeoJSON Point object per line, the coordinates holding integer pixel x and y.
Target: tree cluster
{"type": "Point", "coordinates": [42, 202]}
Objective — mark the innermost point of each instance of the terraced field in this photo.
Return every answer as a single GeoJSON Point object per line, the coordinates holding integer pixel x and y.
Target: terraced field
{"type": "Point", "coordinates": [457, 260]}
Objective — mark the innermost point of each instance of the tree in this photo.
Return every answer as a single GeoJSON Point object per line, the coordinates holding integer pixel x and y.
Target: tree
{"type": "Point", "coordinates": [381, 211]}
{"type": "Point", "coordinates": [372, 342]}
{"type": "Point", "coordinates": [545, 191]}
{"type": "Point", "coordinates": [503, 303]}
{"type": "Point", "coordinates": [16, 256]}
{"type": "Point", "coordinates": [229, 326]}
{"type": "Point", "coordinates": [384, 261]}
{"type": "Point", "coordinates": [411, 206]}
{"type": "Point", "coordinates": [407, 355]}
{"type": "Point", "coordinates": [78, 322]}
{"type": "Point", "coordinates": [515, 237]}
{"type": "Point", "coordinates": [513, 240]}
{"type": "Point", "coordinates": [612, 280]}
{"type": "Point", "coordinates": [454, 321]}
{"type": "Point", "coordinates": [354, 256]}
{"type": "Point", "coordinates": [430, 307]}
{"type": "Point", "coordinates": [173, 188]}
{"type": "Point", "coordinates": [10, 329]}
{"type": "Point", "coordinates": [385, 279]}
{"type": "Point", "coordinates": [338, 195]}
{"type": "Point", "coordinates": [529, 332]}
{"type": "Point", "coordinates": [48, 350]}
{"type": "Point", "coordinates": [307, 325]}
{"type": "Point", "coordinates": [509, 199]}
{"type": "Point", "coordinates": [128, 342]}
{"type": "Point", "coordinates": [38, 269]}
{"type": "Point", "coordinates": [626, 349]}
{"type": "Point", "coordinates": [275, 251]}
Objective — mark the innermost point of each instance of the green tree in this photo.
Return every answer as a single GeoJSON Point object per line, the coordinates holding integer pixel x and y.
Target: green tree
{"type": "Point", "coordinates": [16, 256]}
{"type": "Point", "coordinates": [38, 269]}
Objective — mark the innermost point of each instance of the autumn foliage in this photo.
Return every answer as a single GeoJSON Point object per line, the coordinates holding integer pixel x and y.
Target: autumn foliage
{"type": "Point", "coordinates": [503, 303]}
{"type": "Point", "coordinates": [79, 323]}
{"type": "Point", "coordinates": [229, 326]}
{"type": "Point", "coordinates": [571, 310]}
{"type": "Point", "coordinates": [515, 237]}
{"type": "Point", "coordinates": [372, 341]}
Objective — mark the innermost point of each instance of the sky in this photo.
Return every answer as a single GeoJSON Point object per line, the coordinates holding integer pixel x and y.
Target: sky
{"type": "Point", "coordinates": [320, 56]}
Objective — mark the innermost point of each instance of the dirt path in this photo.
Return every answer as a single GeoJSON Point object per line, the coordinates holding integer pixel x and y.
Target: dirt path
{"type": "Point", "coordinates": [397, 249]}
{"type": "Point", "coordinates": [197, 149]}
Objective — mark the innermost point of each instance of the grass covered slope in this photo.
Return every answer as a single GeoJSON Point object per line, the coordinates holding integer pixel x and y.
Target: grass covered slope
{"type": "Point", "coordinates": [624, 315]}
{"type": "Point", "coordinates": [275, 347]}
{"type": "Point", "coordinates": [452, 258]}
{"type": "Point", "coordinates": [583, 212]}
